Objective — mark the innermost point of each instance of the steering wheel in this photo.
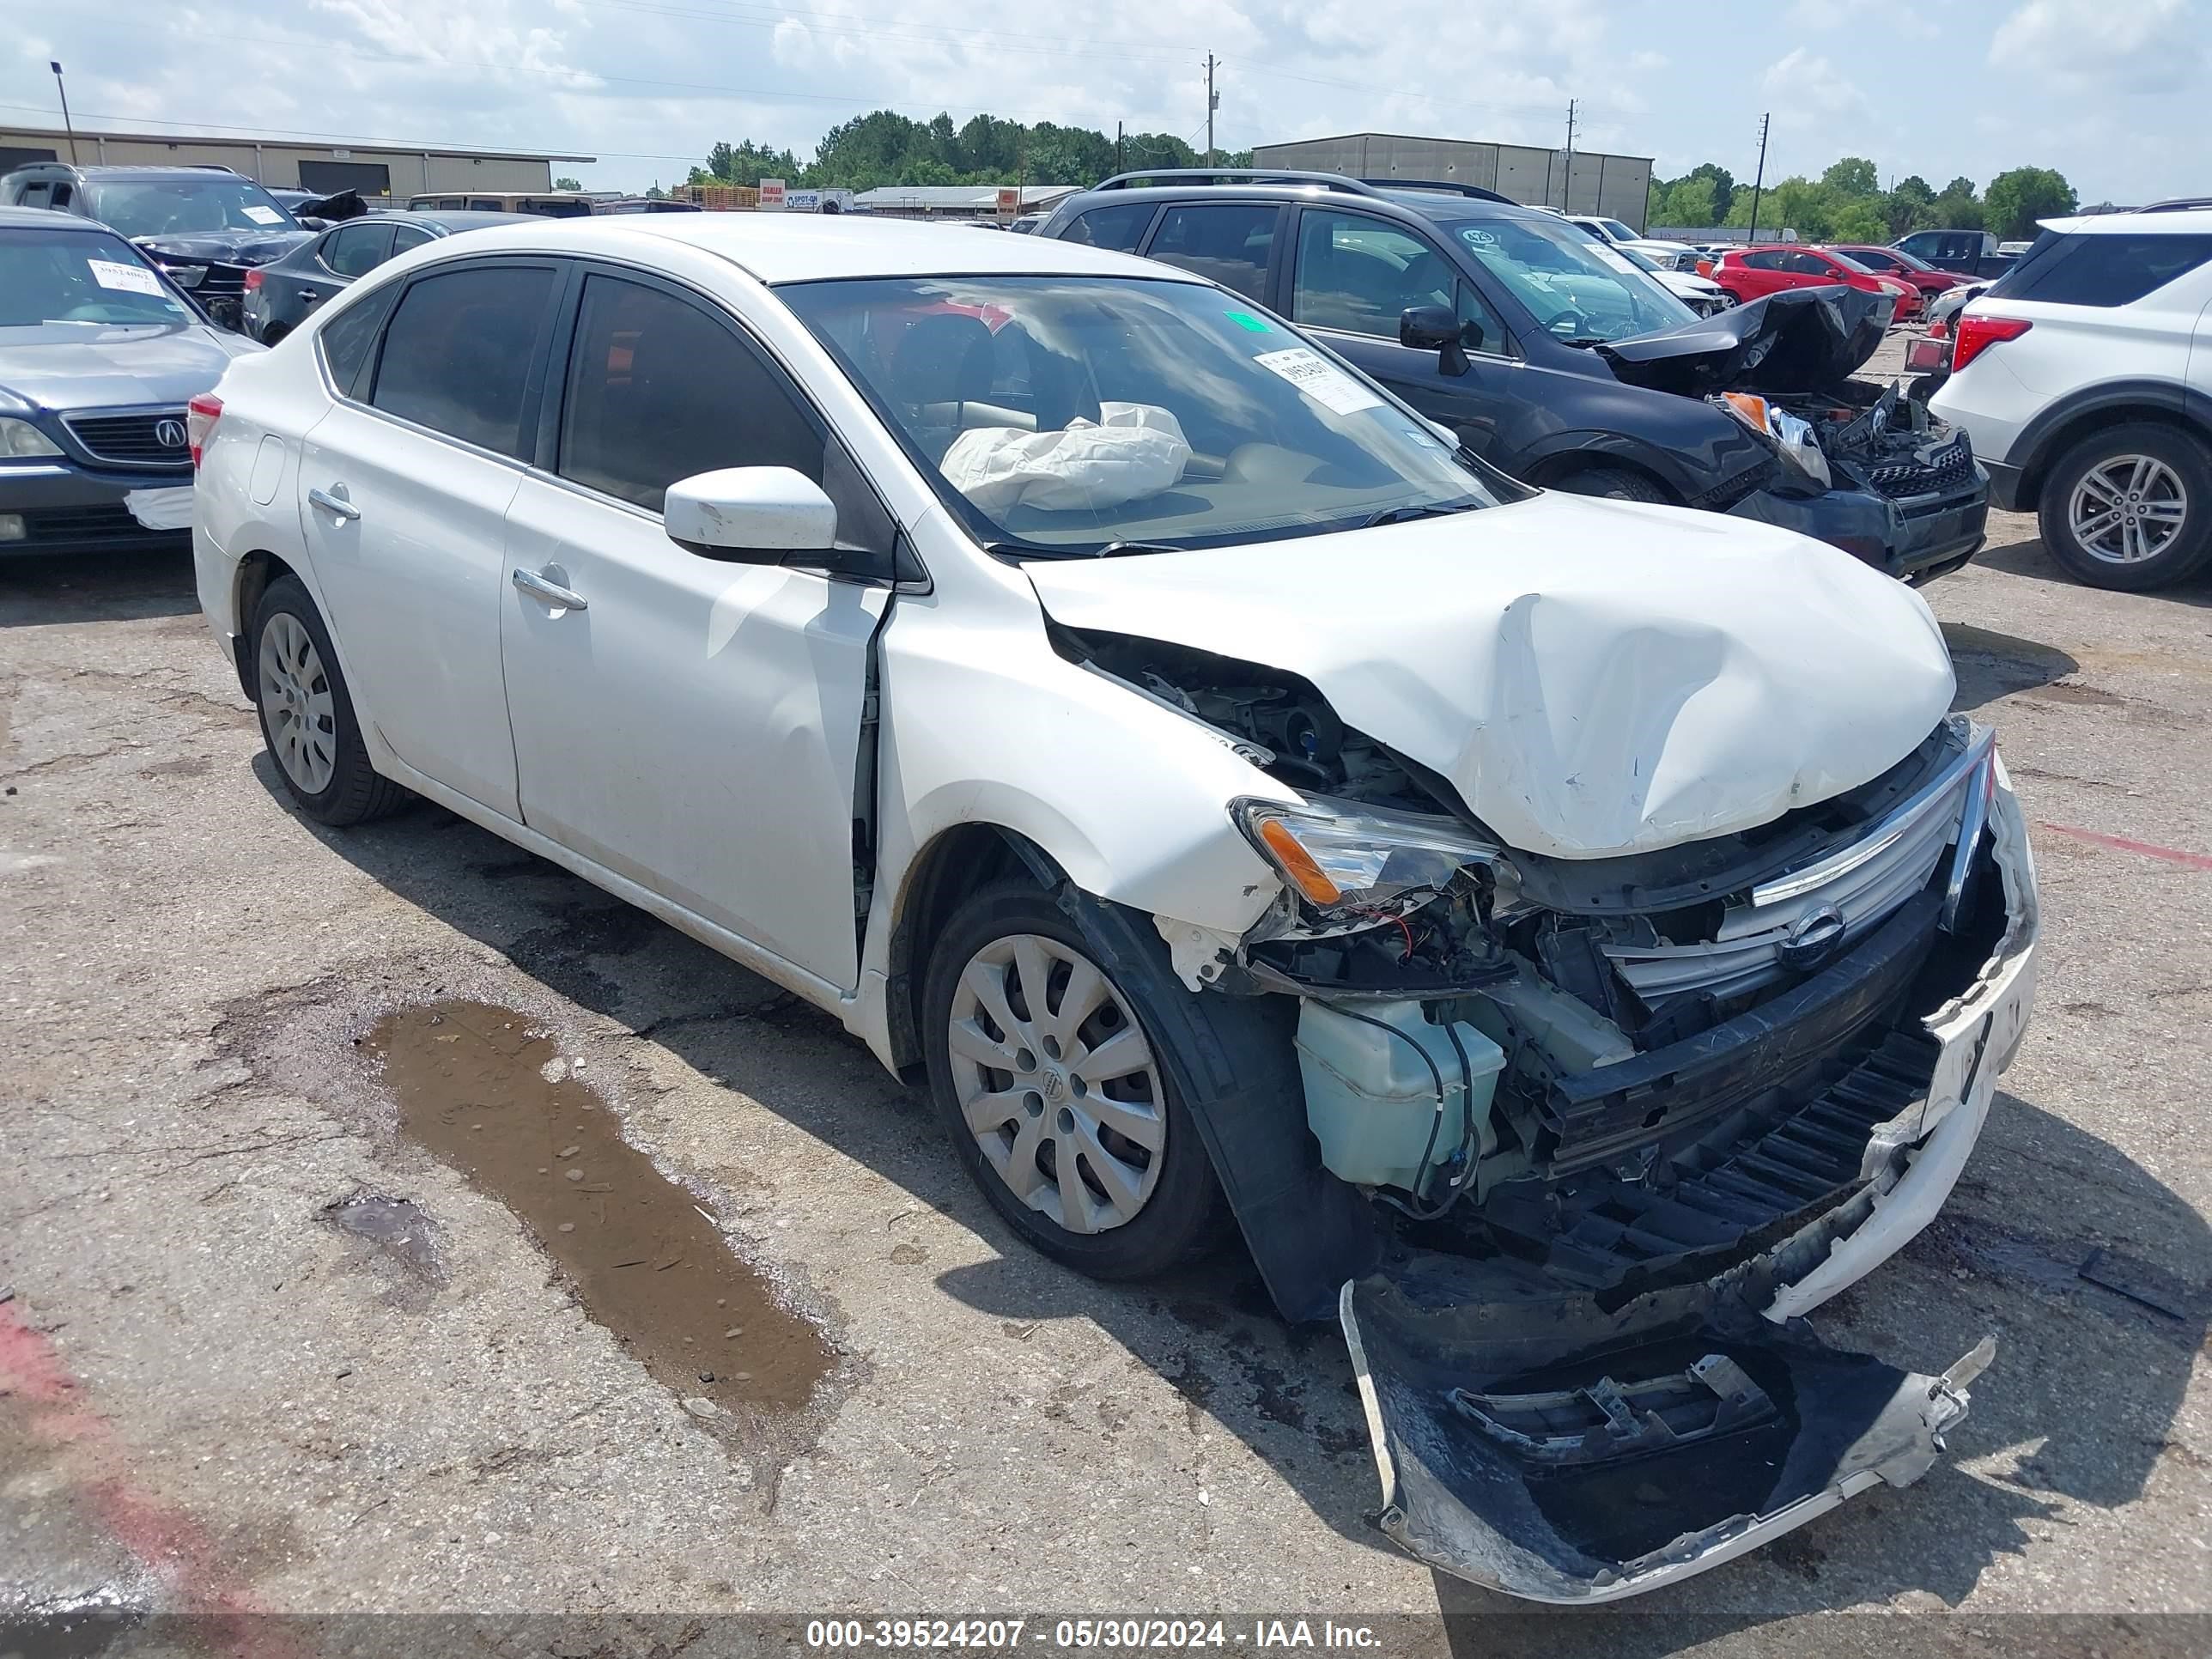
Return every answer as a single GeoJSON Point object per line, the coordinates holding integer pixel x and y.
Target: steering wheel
{"type": "Point", "coordinates": [1568, 324]}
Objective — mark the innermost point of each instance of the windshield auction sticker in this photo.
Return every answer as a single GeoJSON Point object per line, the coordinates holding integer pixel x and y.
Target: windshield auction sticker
{"type": "Point", "coordinates": [128, 279]}
{"type": "Point", "coordinates": [265, 216]}
{"type": "Point", "coordinates": [1320, 380]}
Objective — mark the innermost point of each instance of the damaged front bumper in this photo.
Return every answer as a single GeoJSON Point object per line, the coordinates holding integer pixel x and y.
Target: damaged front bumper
{"type": "Point", "coordinates": [1567, 1443]}
{"type": "Point", "coordinates": [1915, 539]}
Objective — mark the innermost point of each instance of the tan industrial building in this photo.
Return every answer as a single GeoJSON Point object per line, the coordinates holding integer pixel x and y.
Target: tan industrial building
{"type": "Point", "coordinates": [1589, 181]}
{"type": "Point", "coordinates": [394, 170]}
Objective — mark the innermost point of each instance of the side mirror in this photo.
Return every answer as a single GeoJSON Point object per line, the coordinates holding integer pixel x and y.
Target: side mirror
{"type": "Point", "coordinates": [750, 514]}
{"type": "Point", "coordinates": [1434, 328]}
{"type": "Point", "coordinates": [308, 221]}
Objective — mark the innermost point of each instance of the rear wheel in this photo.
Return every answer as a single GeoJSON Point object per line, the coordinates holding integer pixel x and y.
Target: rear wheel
{"type": "Point", "coordinates": [274, 332]}
{"type": "Point", "coordinates": [2130, 508]}
{"type": "Point", "coordinates": [1619, 483]}
{"type": "Point", "coordinates": [1045, 1073]}
{"type": "Point", "coordinates": [1732, 296]}
{"type": "Point", "coordinates": [306, 715]}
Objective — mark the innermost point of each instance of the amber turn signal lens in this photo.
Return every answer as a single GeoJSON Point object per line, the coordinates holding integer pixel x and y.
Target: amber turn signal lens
{"type": "Point", "coordinates": [1298, 864]}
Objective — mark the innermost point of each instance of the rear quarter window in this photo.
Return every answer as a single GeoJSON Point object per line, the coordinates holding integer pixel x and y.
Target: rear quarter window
{"type": "Point", "coordinates": [2108, 269]}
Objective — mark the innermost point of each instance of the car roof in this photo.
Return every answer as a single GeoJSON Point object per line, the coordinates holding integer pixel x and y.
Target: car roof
{"type": "Point", "coordinates": [2177, 219]}
{"type": "Point", "coordinates": [799, 247]}
{"type": "Point", "coordinates": [31, 218]}
{"type": "Point", "coordinates": [457, 219]}
{"type": "Point", "coordinates": [1444, 206]}
{"type": "Point", "coordinates": [119, 171]}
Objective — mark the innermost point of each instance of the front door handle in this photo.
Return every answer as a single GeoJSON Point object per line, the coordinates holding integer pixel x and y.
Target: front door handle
{"type": "Point", "coordinates": [548, 584]}
{"type": "Point", "coordinates": [308, 296]}
{"type": "Point", "coordinates": [336, 505]}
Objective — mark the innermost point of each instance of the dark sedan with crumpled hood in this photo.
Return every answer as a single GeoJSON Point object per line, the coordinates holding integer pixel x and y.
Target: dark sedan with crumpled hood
{"type": "Point", "coordinates": [100, 354]}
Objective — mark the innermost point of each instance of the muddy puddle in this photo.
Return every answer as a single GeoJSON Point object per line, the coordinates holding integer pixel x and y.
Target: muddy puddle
{"type": "Point", "coordinates": [485, 1090]}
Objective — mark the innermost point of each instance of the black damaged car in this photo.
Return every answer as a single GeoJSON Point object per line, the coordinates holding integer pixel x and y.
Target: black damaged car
{"type": "Point", "coordinates": [1558, 359]}
{"type": "Point", "coordinates": [206, 227]}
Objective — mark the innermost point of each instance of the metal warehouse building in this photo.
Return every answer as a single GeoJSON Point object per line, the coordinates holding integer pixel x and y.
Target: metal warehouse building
{"type": "Point", "coordinates": [373, 169]}
{"type": "Point", "coordinates": [1589, 181]}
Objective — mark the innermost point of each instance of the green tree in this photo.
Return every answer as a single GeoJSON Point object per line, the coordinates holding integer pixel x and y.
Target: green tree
{"type": "Point", "coordinates": [1851, 177]}
{"type": "Point", "coordinates": [1857, 221]}
{"type": "Point", "coordinates": [1901, 208]}
{"type": "Point", "coordinates": [564, 182]}
{"type": "Point", "coordinates": [1689, 204]}
{"type": "Point", "coordinates": [1956, 207]}
{"type": "Point", "coordinates": [1723, 183]}
{"type": "Point", "coordinates": [2018, 198]}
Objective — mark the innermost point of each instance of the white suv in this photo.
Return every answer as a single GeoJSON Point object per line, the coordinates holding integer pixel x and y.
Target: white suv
{"type": "Point", "coordinates": [1131, 720]}
{"type": "Point", "coordinates": [2084, 375]}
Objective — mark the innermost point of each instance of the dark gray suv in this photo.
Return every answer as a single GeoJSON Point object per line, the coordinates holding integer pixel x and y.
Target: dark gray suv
{"type": "Point", "coordinates": [1553, 356]}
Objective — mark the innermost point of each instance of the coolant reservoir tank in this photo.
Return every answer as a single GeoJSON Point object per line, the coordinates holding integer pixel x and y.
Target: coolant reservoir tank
{"type": "Point", "coordinates": [1371, 1098]}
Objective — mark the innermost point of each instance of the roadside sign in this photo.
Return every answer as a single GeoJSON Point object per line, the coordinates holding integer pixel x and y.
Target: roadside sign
{"type": "Point", "coordinates": [771, 195]}
{"type": "Point", "coordinates": [1010, 201]}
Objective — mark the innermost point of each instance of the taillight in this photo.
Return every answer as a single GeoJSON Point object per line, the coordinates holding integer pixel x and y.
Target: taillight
{"type": "Point", "coordinates": [253, 277]}
{"type": "Point", "coordinates": [1978, 334]}
{"type": "Point", "coordinates": [200, 416]}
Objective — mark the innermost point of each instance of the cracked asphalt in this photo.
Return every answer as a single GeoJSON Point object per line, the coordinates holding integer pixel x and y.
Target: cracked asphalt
{"type": "Point", "coordinates": [215, 1397]}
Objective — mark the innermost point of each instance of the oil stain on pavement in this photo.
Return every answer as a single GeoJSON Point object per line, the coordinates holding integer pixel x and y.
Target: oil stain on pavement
{"type": "Point", "coordinates": [486, 1090]}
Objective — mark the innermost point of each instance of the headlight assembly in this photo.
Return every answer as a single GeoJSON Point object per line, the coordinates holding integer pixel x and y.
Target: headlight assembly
{"type": "Point", "coordinates": [1341, 856]}
{"type": "Point", "coordinates": [1792, 437]}
{"type": "Point", "coordinates": [21, 441]}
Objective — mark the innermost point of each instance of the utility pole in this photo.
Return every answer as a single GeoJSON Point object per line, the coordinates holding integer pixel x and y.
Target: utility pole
{"type": "Point", "coordinates": [1567, 185]}
{"type": "Point", "coordinates": [1212, 103]}
{"type": "Point", "coordinates": [66, 122]}
{"type": "Point", "coordinates": [1760, 182]}
{"type": "Point", "coordinates": [1118, 164]}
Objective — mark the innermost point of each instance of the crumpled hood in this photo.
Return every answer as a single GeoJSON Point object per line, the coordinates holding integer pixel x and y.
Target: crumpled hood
{"type": "Point", "coordinates": [66, 365]}
{"type": "Point", "coordinates": [230, 247]}
{"type": "Point", "coordinates": [1595, 678]}
{"type": "Point", "coordinates": [1803, 339]}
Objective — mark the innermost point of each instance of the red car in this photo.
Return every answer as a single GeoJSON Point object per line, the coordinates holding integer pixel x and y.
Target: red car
{"type": "Point", "coordinates": [1931, 280]}
{"type": "Point", "coordinates": [1747, 274]}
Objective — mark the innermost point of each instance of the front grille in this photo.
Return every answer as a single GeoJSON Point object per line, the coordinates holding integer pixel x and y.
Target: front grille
{"type": "Point", "coordinates": [1749, 950]}
{"type": "Point", "coordinates": [82, 524]}
{"type": "Point", "coordinates": [222, 282]}
{"type": "Point", "coordinates": [1948, 467]}
{"type": "Point", "coordinates": [131, 439]}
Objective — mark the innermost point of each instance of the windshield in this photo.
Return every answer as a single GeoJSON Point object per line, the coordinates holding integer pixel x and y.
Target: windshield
{"type": "Point", "coordinates": [186, 207]}
{"type": "Point", "coordinates": [1618, 231]}
{"type": "Point", "coordinates": [79, 276]}
{"type": "Point", "coordinates": [1849, 263]}
{"type": "Point", "coordinates": [1065, 415]}
{"type": "Point", "coordinates": [1583, 292]}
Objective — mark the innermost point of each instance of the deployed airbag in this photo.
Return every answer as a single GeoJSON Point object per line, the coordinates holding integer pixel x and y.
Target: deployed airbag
{"type": "Point", "coordinates": [1131, 451]}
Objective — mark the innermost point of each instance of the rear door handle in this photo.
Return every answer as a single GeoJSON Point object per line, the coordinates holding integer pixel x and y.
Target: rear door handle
{"type": "Point", "coordinates": [308, 296]}
{"type": "Point", "coordinates": [547, 585]}
{"type": "Point", "coordinates": [337, 506]}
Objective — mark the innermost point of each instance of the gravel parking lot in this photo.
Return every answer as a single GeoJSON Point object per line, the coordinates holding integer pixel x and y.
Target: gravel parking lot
{"type": "Point", "coordinates": [275, 1342]}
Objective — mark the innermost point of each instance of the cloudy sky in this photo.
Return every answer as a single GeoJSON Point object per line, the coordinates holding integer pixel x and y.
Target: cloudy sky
{"type": "Point", "coordinates": [2110, 92]}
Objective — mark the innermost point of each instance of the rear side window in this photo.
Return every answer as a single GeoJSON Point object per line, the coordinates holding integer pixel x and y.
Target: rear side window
{"type": "Point", "coordinates": [1120, 228]}
{"type": "Point", "coordinates": [1226, 242]}
{"type": "Point", "coordinates": [356, 250]}
{"type": "Point", "coordinates": [458, 354]}
{"type": "Point", "coordinates": [660, 390]}
{"type": "Point", "coordinates": [2092, 270]}
{"type": "Point", "coordinates": [348, 338]}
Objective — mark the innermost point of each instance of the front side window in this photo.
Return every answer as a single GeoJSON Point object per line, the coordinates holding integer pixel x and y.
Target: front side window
{"type": "Point", "coordinates": [1225, 242]}
{"type": "Point", "coordinates": [65, 276]}
{"type": "Point", "coordinates": [1581, 292]}
{"type": "Point", "coordinates": [356, 250]}
{"type": "Point", "coordinates": [1075, 415]}
{"type": "Point", "coordinates": [2088, 269]}
{"type": "Point", "coordinates": [1360, 274]}
{"type": "Point", "coordinates": [1120, 228]}
{"type": "Point", "coordinates": [659, 390]}
{"type": "Point", "coordinates": [458, 353]}
{"type": "Point", "coordinates": [180, 207]}
{"type": "Point", "coordinates": [1617, 231]}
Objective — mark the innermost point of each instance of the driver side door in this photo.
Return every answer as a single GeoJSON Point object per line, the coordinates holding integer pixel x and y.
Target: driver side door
{"type": "Point", "coordinates": [1354, 274]}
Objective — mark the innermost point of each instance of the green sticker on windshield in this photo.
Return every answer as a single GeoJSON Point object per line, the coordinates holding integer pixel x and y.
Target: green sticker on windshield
{"type": "Point", "coordinates": [1246, 320]}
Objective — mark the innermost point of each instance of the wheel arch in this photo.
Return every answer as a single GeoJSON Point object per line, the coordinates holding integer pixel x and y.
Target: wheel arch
{"type": "Point", "coordinates": [255, 572]}
{"type": "Point", "coordinates": [1557, 468]}
{"type": "Point", "coordinates": [2065, 423]}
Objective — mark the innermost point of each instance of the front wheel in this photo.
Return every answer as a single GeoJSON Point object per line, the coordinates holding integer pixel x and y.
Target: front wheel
{"type": "Point", "coordinates": [1618, 483]}
{"type": "Point", "coordinates": [1045, 1073]}
{"type": "Point", "coordinates": [2130, 508]}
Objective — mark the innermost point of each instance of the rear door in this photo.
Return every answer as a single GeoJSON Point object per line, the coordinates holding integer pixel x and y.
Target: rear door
{"type": "Point", "coordinates": [405, 495]}
{"type": "Point", "coordinates": [695, 723]}
{"type": "Point", "coordinates": [1235, 244]}
{"type": "Point", "coordinates": [1353, 275]}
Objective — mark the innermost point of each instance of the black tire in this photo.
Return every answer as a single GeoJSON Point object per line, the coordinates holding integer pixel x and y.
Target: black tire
{"type": "Point", "coordinates": [273, 333]}
{"type": "Point", "coordinates": [1184, 1214]}
{"type": "Point", "coordinates": [356, 791]}
{"type": "Point", "coordinates": [1730, 294]}
{"type": "Point", "coordinates": [1619, 483]}
{"type": "Point", "coordinates": [2182, 557]}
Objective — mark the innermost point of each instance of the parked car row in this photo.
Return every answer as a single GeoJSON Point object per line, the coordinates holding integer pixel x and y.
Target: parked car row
{"type": "Point", "coordinates": [1572, 938]}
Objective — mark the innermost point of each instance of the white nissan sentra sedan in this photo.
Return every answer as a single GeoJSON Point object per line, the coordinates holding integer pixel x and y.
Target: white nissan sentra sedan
{"type": "Point", "coordinates": [1569, 938]}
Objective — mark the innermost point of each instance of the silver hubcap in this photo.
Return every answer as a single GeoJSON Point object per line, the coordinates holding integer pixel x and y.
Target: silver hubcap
{"type": "Point", "coordinates": [295, 702]}
{"type": "Point", "coordinates": [2128, 510]}
{"type": "Point", "coordinates": [1057, 1083]}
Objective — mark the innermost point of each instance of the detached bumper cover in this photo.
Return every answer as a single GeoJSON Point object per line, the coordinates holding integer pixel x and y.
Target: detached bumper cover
{"type": "Point", "coordinates": [1911, 538]}
{"type": "Point", "coordinates": [1567, 1447]}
